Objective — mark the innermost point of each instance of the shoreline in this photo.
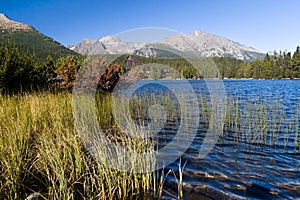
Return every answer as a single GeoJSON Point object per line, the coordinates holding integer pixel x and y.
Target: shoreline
{"type": "Point", "coordinates": [225, 79]}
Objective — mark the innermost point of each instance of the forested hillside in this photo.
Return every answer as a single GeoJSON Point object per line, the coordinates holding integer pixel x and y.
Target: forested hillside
{"type": "Point", "coordinates": [29, 40]}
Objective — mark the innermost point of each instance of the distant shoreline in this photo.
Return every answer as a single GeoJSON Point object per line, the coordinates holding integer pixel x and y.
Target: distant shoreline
{"type": "Point", "coordinates": [226, 79]}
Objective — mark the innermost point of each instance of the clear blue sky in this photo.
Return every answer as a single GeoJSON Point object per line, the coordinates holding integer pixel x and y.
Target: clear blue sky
{"type": "Point", "coordinates": [263, 24]}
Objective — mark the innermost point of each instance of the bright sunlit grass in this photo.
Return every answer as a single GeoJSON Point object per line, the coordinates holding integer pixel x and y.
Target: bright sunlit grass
{"type": "Point", "coordinates": [41, 152]}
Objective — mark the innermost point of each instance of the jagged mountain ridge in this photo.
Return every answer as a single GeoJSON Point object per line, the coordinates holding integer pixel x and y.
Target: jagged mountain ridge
{"type": "Point", "coordinates": [29, 39]}
{"type": "Point", "coordinates": [206, 44]}
{"type": "Point", "coordinates": [203, 43]}
{"type": "Point", "coordinates": [109, 44]}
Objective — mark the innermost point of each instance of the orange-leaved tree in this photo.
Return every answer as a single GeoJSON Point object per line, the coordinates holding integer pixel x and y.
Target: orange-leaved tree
{"type": "Point", "coordinates": [95, 72]}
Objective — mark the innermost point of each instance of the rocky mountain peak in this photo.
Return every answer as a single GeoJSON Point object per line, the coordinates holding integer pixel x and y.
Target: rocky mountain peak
{"type": "Point", "coordinates": [3, 16]}
{"type": "Point", "coordinates": [87, 41]}
{"type": "Point", "coordinates": [109, 38]}
{"type": "Point", "coordinates": [198, 32]}
{"type": "Point", "coordinates": [12, 26]}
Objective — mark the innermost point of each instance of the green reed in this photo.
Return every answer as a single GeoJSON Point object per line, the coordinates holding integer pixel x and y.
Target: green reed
{"type": "Point", "coordinates": [259, 121]}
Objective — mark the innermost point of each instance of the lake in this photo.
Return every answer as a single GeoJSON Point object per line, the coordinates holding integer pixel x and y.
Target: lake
{"type": "Point", "coordinates": [257, 156]}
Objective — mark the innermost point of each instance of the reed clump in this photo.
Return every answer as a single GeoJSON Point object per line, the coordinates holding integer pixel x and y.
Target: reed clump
{"type": "Point", "coordinates": [271, 121]}
{"type": "Point", "coordinates": [259, 121]}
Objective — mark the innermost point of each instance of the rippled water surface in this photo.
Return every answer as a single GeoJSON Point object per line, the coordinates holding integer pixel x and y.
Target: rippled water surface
{"type": "Point", "coordinates": [259, 158]}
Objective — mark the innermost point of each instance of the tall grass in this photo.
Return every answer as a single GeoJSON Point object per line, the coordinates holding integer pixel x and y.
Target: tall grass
{"type": "Point", "coordinates": [41, 152]}
{"type": "Point", "coordinates": [259, 121]}
{"type": "Point", "coordinates": [264, 121]}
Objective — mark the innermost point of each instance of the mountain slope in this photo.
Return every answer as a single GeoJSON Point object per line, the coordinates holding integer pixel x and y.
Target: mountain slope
{"type": "Point", "coordinates": [106, 45]}
{"type": "Point", "coordinates": [29, 39]}
{"type": "Point", "coordinates": [204, 44]}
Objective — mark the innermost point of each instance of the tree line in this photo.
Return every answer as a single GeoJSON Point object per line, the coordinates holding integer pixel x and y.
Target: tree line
{"type": "Point", "coordinates": [277, 66]}
{"type": "Point", "coordinates": [282, 65]}
{"type": "Point", "coordinates": [21, 71]}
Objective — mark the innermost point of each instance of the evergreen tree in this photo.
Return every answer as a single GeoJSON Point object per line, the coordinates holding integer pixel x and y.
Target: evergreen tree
{"type": "Point", "coordinates": [266, 69]}
{"type": "Point", "coordinates": [296, 64]}
{"type": "Point", "coordinates": [287, 65]}
{"type": "Point", "coordinates": [17, 70]}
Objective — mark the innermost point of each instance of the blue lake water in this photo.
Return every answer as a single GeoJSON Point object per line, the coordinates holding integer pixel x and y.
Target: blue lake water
{"type": "Point", "coordinates": [258, 159]}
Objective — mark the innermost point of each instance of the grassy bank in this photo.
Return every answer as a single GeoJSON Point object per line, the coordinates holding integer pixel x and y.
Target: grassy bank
{"type": "Point", "coordinates": [41, 152]}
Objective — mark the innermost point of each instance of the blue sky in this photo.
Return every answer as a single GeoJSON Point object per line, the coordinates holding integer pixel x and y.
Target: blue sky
{"type": "Point", "coordinates": [263, 24]}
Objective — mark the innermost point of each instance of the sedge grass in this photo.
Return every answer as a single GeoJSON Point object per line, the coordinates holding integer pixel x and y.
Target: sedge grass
{"type": "Point", "coordinates": [41, 152]}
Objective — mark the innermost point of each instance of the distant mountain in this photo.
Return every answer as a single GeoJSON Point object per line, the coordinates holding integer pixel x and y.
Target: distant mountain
{"type": "Point", "coordinates": [106, 45]}
{"type": "Point", "coordinates": [29, 39]}
{"type": "Point", "coordinates": [204, 44]}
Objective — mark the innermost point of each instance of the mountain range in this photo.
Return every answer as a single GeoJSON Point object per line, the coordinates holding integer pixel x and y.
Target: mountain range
{"type": "Point", "coordinates": [199, 42]}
